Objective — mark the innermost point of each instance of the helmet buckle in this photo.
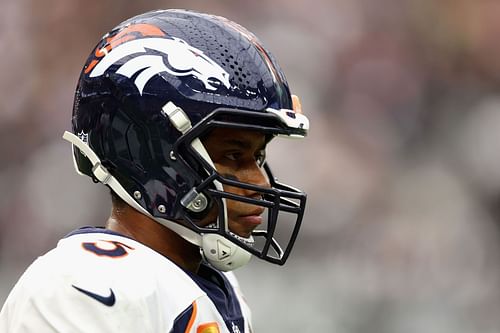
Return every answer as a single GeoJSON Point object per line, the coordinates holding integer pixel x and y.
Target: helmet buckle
{"type": "Point", "coordinates": [101, 173]}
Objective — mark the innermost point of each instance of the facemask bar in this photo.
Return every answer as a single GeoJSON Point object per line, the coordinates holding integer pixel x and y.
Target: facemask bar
{"type": "Point", "coordinates": [278, 198]}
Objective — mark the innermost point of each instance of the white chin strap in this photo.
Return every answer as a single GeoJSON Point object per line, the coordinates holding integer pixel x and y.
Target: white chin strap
{"type": "Point", "coordinates": [217, 250]}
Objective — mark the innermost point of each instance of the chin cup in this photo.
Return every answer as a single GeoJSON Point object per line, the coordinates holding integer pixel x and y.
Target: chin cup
{"type": "Point", "coordinates": [222, 253]}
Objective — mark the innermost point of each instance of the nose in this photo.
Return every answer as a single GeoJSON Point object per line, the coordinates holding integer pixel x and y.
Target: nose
{"type": "Point", "coordinates": [254, 174]}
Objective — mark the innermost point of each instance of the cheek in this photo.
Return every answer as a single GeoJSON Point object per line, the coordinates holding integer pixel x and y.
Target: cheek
{"type": "Point", "coordinates": [231, 189]}
{"type": "Point", "coordinates": [211, 217]}
{"type": "Point", "coordinates": [232, 205]}
{"type": "Point", "coordinates": [228, 188]}
{"type": "Point", "coordinates": [236, 208]}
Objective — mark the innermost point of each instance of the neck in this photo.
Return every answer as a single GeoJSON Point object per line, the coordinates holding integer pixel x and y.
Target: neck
{"type": "Point", "coordinates": [127, 221]}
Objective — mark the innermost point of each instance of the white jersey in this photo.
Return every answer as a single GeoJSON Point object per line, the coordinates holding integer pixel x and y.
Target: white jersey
{"type": "Point", "coordinates": [98, 281]}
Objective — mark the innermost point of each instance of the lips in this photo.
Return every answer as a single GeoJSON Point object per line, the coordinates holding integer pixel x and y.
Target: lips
{"type": "Point", "coordinates": [245, 223]}
{"type": "Point", "coordinates": [253, 218]}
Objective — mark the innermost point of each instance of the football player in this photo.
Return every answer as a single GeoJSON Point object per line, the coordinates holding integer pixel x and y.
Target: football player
{"type": "Point", "coordinates": [173, 112]}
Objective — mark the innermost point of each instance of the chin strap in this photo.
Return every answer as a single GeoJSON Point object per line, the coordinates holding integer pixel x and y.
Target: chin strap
{"type": "Point", "coordinates": [217, 250]}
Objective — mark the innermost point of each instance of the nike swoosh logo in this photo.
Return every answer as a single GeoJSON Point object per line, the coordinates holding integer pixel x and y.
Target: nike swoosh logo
{"type": "Point", "coordinates": [106, 300]}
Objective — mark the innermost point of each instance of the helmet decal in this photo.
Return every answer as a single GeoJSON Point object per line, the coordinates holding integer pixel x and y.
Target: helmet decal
{"type": "Point", "coordinates": [177, 58]}
{"type": "Point", "coordinates": [133, 31]}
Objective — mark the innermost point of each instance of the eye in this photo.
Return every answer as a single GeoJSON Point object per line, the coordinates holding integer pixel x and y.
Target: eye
{"type": "Point", "coordinates": [260, 158]}
{"type": "Point", "coordinates": [232, 156]}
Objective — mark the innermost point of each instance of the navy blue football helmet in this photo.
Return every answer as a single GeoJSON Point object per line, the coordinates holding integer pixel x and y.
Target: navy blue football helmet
{"type": "Point", "coordinates": [149, 91]}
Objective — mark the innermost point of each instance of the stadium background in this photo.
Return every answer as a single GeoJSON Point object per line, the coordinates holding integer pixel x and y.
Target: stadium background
{"type": "Point", "coordinates": [402, 164]}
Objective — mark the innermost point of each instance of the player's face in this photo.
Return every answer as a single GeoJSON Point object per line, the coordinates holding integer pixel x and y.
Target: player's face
{"type": "Point", "coordinates": [239, 154]}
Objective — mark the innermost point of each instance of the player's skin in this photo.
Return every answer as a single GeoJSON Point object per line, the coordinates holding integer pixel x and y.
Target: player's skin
{"type": "Point", "coordinates": [236, 154]}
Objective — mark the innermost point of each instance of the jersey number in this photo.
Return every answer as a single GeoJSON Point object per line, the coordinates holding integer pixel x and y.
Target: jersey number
{"type": "Point", "coordinates": [107, 248]}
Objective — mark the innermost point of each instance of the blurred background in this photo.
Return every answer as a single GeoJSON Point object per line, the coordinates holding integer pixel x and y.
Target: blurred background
{"type": "Point", "coordinates": [402, 164]}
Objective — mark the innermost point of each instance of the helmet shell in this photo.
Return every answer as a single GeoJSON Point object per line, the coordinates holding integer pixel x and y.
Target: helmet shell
{"type": "Point", "coordinates": [199, 62]}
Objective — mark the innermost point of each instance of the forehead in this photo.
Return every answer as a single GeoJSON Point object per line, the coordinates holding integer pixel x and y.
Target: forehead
{"type": "Point", "coordinates": [237, 137]}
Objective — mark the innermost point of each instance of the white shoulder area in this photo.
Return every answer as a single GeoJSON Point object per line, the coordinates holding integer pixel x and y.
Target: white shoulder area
{"type": "Point", "coordinates": [119, 262]}
{"type": "Point", "coordinates": [149, 290]}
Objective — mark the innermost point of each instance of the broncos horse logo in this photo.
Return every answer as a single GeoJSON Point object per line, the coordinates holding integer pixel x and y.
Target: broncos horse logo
{"type": "Point", "coordinates": [177, 58]}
